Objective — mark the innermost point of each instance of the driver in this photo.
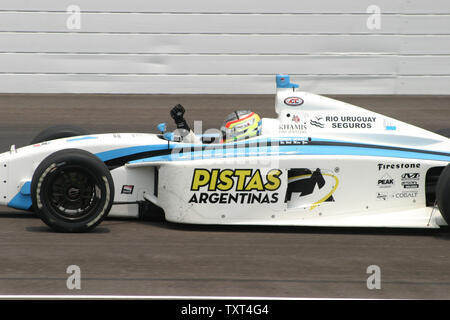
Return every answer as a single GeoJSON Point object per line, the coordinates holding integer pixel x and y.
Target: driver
{"type": "Point", "coordinates": [238, 125]}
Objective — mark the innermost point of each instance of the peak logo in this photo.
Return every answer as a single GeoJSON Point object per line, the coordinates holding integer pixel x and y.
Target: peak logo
{"type": "Point", "coordinates": [310, 189]}
{"type": "Point", "coordinates": [293, 101]}
{"type": "Point", "coordinates": [386, 181]}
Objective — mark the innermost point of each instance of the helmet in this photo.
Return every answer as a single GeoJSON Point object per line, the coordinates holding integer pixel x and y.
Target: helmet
{"type": "Point", "coordinates": [241, 124]}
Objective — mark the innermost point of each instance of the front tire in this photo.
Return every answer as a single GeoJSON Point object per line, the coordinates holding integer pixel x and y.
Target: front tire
{"type": "Point", "coordinates": [443, 194]}
{"type": "Point", "coordinates": [72, 191]}
{"type": "Point", "coordinates": [59, 132]}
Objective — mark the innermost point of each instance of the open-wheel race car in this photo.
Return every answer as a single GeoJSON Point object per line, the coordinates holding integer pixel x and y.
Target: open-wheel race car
{"type": "Point", "coordinates": [321, 162]}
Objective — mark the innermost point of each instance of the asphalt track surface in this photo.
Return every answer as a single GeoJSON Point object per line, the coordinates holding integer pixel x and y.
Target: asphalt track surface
{"type": "Point", "coordinates": [130, 257]}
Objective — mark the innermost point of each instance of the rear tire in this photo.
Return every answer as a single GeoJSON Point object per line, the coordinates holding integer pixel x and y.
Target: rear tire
{"type": "Point", "coordinates": [443, 194]}
{"type": "Point", "coordinates": [59, 132]}
{"type": "Point", "coordinates": [444, 132]}
{"type": "Point", "coordinates": [72, 191]}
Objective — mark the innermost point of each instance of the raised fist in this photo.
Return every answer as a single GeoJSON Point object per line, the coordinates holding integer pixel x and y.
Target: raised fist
{"type": "Point", "coordinates": [177, 112]}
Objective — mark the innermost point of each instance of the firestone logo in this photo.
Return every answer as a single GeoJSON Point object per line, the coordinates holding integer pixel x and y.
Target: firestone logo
{"type": "Point", "coordinates": [387, 166]}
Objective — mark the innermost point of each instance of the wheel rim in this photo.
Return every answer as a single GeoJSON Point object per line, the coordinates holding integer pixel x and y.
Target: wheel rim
{"type": "Point", "coordinates": [73, 192]}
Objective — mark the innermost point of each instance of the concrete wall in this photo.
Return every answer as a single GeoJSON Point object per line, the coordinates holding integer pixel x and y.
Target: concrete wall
{"type": "Point", "coordinates": [204, 46]}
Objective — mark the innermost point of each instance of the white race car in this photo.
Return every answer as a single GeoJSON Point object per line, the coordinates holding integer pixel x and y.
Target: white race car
{"type": "Point", "coordinates": [322, 162]}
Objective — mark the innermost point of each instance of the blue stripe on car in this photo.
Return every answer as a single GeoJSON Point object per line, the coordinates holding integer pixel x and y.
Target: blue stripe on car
{"type": "Point", "coordinates": [202, 151]}
{"type": "Point", "coordinates": [293, 150]}
{"type": "Point", "coordinates": [22, 200]}
{"type": "Point", "coordinates": [82, 138]}
{"type": "Point", "coordinates": [123, 152]}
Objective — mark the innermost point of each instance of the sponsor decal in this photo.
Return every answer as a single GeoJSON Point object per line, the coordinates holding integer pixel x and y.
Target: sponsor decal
{"type": "Point", "coordinates": [411, 176]}
{"type": "Point", "coordinates": [239, 186]}
{"type": "Point", "coordinates": [293, 128]}
{"type": "Point", "coordinates": [410, 180]}
{"type": "Point", "coordinates": [389, 125]}
{"type": "Point", "coordinates": [127, 189]}
{"type": "Point", "coordinates": [311, 188]}
{"type": "Point", "coordinates": [405, 194]}
{"type": "Point", "coordinates": [293, 141]}
{"type": "Point", "coordinates": [382, 196]}
{"type": "Point", "coordinates": [387, 166]}
{"type": "Point", "coordinates": [351, 122]}
{"type": "Point", "coordinates": [296, 118]}
{"type": "Point", "coordinates": [293, 101]}
{"type": "Point", "coordinates": [385, 181]}
{"type": "Point", "coordinates": [41, 144]}
{"type": "Point", "coordinates": [296, 125]}
{"type": "Point", "coordinates": [317, 122]}
{"type": "Point", "coordinates": [410, 184]}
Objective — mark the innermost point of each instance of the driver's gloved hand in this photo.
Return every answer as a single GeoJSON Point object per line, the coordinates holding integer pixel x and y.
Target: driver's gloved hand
{"type": "Point", "coordinates": [177, 114]}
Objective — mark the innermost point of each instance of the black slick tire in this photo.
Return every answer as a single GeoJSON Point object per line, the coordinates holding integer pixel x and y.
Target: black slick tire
{"type": "Point", "coordinates": [59, 132]}
{"type": "Point", "coordinates": [72, 191]}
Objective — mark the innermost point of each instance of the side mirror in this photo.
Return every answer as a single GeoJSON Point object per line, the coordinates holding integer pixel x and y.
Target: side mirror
{"type": "Point", "coordinates": [169, 136]}
{"type": "Point", "coordinates": [162, 127]}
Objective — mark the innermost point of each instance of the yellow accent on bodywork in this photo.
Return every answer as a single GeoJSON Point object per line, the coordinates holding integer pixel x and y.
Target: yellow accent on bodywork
{"type": "Point", "coordinates": [316, 204]}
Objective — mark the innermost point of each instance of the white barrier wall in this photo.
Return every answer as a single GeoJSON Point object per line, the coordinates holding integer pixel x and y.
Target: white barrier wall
{"type": "Point", "coordinates": [233, 46]}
